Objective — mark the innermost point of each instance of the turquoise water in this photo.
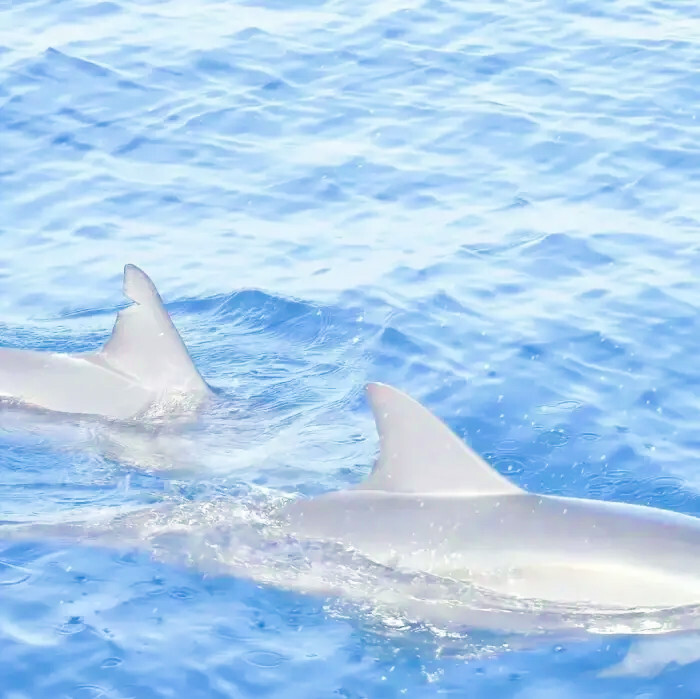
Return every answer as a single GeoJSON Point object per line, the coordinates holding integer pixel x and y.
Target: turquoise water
{"type": "Point", "coordinates": [493, 206]}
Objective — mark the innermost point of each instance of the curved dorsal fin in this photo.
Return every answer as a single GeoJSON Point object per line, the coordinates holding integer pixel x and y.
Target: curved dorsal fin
{"type": "Point", "coordinates": [145, 345]}
{"type": "Point", "coordinates": [420, 454]}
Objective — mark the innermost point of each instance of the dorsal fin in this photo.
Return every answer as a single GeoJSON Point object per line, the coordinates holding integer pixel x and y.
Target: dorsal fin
{"type": "Point", "coordinates": [145, 345]}
{"type": "Point", "coordinates": [420, 454]}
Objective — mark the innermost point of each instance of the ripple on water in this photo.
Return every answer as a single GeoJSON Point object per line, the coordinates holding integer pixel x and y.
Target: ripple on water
{"type": "Point", "coordinates": [504, 194]}
{"type": "Point", "coordinates": [264, 659]}
{"type": "Point", "coordinates": [12, 574]}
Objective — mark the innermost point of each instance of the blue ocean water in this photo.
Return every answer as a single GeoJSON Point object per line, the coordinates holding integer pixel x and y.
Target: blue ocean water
{"type": "Point", "coordinates": [493, 206]}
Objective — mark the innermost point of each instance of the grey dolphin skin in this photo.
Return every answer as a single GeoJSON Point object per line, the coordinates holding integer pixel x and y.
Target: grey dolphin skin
{"type": "Point", "coordinates": [432, 505]}
{"type": "Point", "coordinates": [143, 362]}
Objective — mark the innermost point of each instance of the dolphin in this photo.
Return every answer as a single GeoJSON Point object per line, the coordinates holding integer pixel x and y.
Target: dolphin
{"type": "Point", "coordinates": [143, 364]}
{"type": "Point", "coordinates": [432, 506]}
{"type": "Point", "coordinates": [437, 536]}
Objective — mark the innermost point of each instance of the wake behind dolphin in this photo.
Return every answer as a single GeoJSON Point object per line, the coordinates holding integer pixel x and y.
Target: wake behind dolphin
{"type": "Point", "coordinates": [143, 363]}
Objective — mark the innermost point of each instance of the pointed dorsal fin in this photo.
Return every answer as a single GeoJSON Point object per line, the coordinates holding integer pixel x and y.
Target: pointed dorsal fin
{"type": "Point", "coordinates": [145, 345]}
{"type": "Point", "coordinates": [420, 454]}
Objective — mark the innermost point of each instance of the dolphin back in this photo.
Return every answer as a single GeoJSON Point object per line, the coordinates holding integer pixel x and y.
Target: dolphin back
{"type": "Point", "coordinates": [143, 362]}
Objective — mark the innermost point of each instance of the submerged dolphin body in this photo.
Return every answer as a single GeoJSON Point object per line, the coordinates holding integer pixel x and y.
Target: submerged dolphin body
{"type": "Point", "coordinates": [433, 506]}
{"type": "Point", "coordinates": [143, 363]}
